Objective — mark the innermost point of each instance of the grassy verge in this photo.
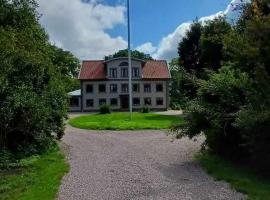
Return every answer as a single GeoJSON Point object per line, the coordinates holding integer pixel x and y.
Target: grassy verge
{"type": "Point", "coordinates": [38, 177]}
{"type": "Point", "coordinates": [120, 121]}
{"type": "Point", "coordinates": [240, 178]}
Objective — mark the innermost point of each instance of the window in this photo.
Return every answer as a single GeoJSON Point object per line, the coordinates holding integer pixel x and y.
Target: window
{"type": "Point", "coordinates": [147, 101]}
{"type": "Point", "coordinates": [102, 88]}
{"type": "Point", "coordinates": [113, 88]}
{"type": "Point", "coordinates": [136, 87]}
{"type": "Point", "coordinates": [102, 101]}
{"type": "Point", "coordinates": [147, 87]}
{"type": "Point", "coordinates": [89, 89]}
{"type": "Point", "coordinates": [124, 72]}
{"type": "Point", "coordinates": [114, 102]}
{"type": "Point", "coordinates": [74, 102]}
{"type": "Point", "coordinates": [89, 103]}
{"type": "Point", "coordinates": [113, 73]}
{"type": "Point", "coordinates": [136, 101]}
{"type": "Point", "coordinates": [135, 72]}
{"type": "Point", "coordinates": [159, 101]}
{"type": "Point", "coordinates": [124, 88]}
{"type": "Point", "coordinates": [159, 88]}
{"type": "Point", "coordinates": [123, 64]}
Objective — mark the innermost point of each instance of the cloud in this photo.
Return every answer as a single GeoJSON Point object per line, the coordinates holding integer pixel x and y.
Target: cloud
{"type": "Point", "coordinates": [147, 48]}
{"type": "Point", "coordinates": [167, 48]}
{"type": "Point", "coordinates": [80, 26]}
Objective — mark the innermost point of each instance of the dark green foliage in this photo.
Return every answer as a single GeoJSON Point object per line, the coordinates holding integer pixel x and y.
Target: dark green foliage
{"type": "Point", "coordinates": [32, 81]}
{"type": "Point", "coordinates": [189, 49]}
{"type": "Point", "coordinates": [134, 54]}
{"type": "Point", "coordinates": [231, 105]}
{"type": "Point", "coordinates": [105, 109]}
{"type": "Point", "coordinates": [145, 109]}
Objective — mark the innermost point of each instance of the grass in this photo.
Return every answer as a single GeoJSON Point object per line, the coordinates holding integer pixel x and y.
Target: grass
{"type": "Point", "coordinates": [120, 121]}
{"type": "Point", "coordinates": [240, 178]}
{"type": "Point", "coordinates": [39, 177]}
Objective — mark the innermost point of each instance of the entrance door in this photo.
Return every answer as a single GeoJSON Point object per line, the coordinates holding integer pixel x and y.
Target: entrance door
{"type": "Point", "coordinates": [124, 101]}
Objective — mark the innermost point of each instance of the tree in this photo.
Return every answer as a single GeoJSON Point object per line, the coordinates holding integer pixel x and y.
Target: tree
{"type": "Point", "coordinates": [33, 99]}
{"type": "Point", "coordinates": [211, 42]}
{"type": "Point", "coordinates": [189, 49]}
{"type": "Point", "coordinates": [134, 54]}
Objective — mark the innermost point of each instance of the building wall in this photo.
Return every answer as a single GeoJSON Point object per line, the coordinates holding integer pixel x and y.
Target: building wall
{"type": "Point", "coordinates": [96, 95]}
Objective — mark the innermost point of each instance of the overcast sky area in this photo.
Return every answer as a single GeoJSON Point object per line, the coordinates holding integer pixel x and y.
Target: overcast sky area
{"type": "Point", "coordinates": [91, 29]}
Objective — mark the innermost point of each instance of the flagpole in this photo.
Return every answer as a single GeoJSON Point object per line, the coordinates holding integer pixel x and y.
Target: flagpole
{"type": "Point", "coordinates": [129, 63]}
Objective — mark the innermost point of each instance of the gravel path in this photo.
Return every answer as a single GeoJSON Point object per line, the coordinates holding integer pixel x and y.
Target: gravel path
{"type": "Point", "coordinates": [137, 165]}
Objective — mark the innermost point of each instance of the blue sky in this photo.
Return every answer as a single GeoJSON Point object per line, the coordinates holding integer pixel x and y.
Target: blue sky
{"type": "Point", "coordinates": [153, 19]}
{"type": "Point", "coordinates": [91, 29]}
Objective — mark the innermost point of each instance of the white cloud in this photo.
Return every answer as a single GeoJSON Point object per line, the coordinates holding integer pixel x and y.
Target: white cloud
{"type": "Point", "coordinates": [147, 48]}
{"type": "Point", "coordinates": [167, 48]}
{"type": "Point", "coordinates": [80, 27]}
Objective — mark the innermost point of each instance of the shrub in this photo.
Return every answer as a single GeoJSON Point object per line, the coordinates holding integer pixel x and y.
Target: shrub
{"type": "Point", "coordinates": [145, 109]}
{"type": "Point", "coordinates": [105, 109]}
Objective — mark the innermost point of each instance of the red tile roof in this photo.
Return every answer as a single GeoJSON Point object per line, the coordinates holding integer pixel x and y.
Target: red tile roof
{"type": "Point", "coordinates": [93, 70]}
{"type": "Point", "coordinates": [156, 69]}
{"type": "Point", "coordinates": [96, 70]}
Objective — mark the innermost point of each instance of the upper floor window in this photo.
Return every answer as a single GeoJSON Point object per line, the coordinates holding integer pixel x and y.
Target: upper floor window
{"type": "Point", "coordinates": [89, 89]}
{"type": "Point", "coordinates": [159, 88]}
{"type": "Point", "coordinates": [102, 88]}
{"type": "Point", "coordinates": [136, 87]}
{"type": "Point", "coordinates": [135, 72]}
{"type": "Point", "coordinates": [147, 87]}
{"type": "Point", "coordinates": [124, 88]}
{"type": "Point", "coordinates": [122, 64]}
{"type": "Point", "coordinates": [113, 88]}
{"type": "Point", "coordinates": [74, 102]}
{"type": "Point", "coordinates": [124, 72]}
{"type": "Point", "coordinates": [113, 73]}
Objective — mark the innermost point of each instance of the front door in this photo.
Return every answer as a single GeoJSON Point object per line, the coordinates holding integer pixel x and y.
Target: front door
{"type": "Point", "coordinates": [124, 102]}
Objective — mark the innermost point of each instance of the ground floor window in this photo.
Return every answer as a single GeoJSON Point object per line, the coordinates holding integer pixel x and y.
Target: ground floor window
{"type": "Point", "coordinates": [90, 103]}
{"type": "Point", "coordinates": [159, 101]}
{"type": "Point", "coordinates": [147, 101]}
{"type": "Point", "coordinates": [114, 102]}
{"type": "Point", "coordinates": [74, 102]}
{"type": "Point", "coordinates": [102, 101]}
{"type": "Point", "coordinates": [136, 101]}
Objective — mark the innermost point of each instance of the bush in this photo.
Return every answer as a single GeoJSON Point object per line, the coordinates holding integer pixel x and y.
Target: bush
{"type": "Point", "coordinates": [145, 109]}
{"type": "Point", "coordinates": [105, 109]}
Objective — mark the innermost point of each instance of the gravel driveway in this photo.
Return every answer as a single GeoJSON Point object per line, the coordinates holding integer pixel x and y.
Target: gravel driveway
{"type": "Point", "coordinates": [138, 165]}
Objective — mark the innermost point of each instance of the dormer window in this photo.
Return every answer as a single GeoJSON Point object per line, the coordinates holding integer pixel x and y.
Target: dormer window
{"type": "Point", "coordinates": [113, 72]}
{"type": "Point", "coordinates": [124, 72]}
{"type": "Point", "coordinates": [123, 64]}
{"type": "Point", "coordinates": [135, 72]}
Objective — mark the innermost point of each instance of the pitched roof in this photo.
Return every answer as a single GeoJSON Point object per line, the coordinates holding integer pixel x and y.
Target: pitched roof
{"type": "Point", "coordinates": [96, 70]}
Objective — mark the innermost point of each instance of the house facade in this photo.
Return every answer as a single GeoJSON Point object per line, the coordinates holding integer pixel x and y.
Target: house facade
{"type": "Point", "coordinates": [106, 82]}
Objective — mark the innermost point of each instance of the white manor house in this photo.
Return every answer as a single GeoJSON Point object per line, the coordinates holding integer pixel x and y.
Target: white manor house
{"type": "Point", "coordinates": [107, 82]}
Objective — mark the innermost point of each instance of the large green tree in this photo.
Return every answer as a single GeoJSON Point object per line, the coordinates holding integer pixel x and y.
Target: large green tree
{"type": "Point", "coordinates": [134, 54]}
{"type": "Point", "coordinates": [33, 101]}
{"type": "Point", "coordinates": [232, 104]}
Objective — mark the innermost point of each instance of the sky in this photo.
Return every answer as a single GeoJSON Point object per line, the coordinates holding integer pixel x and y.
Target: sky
{"type": "Point", "coordinates": [91, 29]}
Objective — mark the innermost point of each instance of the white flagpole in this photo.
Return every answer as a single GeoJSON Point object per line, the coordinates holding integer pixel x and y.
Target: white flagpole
{"type": "Point", "coordinates": [129, 63]}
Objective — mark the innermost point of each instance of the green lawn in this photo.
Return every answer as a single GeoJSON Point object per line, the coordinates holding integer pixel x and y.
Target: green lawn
{"type": "Point", "coordinates": [120, 121]}
{"type": "Point", "coordinates": [38, 178]}
{"type": "Point", "coordinates": [240, 178]}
